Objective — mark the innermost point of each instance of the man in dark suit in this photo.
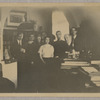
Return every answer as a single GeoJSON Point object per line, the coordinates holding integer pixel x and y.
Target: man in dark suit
{"type": "Point", "coordinates": [59, 53]}
{"type": "Point", "coordinates": [76, 40]}
{"type": "Point", "coordinates": [17, 47]}
{"type": "Point", "coordinates": [18, 52]}
{"type": "Point", "coordinates": [59, 46]}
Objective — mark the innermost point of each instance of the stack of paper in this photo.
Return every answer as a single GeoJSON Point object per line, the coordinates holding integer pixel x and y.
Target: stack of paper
{"type": "Point", "coordinates": [96, 80]}
{"type": "Point", "coordinates": [75, 63]}
{"type": "Point", "coordinates": [95, 62]}
{"type": "Point", "coordinates": [94, 74]}
{"type": "Point", "coordinates": [90, 69]}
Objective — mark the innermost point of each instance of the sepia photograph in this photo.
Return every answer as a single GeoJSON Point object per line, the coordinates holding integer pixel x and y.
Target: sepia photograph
{"type": "Point", "coordinates": [50, 48]}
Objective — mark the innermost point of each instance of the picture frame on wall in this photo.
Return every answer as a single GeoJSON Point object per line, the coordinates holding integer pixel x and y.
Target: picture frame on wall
{"type": "Point", "coordinates": [15, 18]}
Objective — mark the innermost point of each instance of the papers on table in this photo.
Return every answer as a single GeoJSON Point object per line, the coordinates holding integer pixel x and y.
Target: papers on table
{"type": "Point", "coordinates": [75, 63]}
{"type": "Point", "coordinates": [90, 69]}
{"type": "Point", "coordinates": [94, 74]}
{"type": "Point", "coordinates": [95, 62]}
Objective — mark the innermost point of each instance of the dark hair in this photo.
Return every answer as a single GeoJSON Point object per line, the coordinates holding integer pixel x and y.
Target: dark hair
{"type": "Point", "coordinates": [47, 37]}
{"type": "Point", "coordinates": [44, 32]}
{"type": "Point", "coordinates": [57, 32]}
{"type": "Point", "coordinates": [71, 30]}
{"type": "Point", "coordinates": [19, 33]}
{"type": "Point", "coordinates": [31, 34]}
{"type": "Point", "coordinates": [39, 35]}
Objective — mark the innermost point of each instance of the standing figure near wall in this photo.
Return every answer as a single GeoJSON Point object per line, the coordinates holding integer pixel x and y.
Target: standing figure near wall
{"type": "Point", "coordinates": [68, 42]}
{"type": "Point", "coordinates": [43, 35]}
{"type": "Point", "coordinates": [18, 52]}
{"type": "Point", "coordinates": [39, 64]}
{"type": "Point", "coordinates": [31, 68]}
{"type": "Point", "coordinates": [46, 52]}
{"type": "Point", "coordinates": [76, 42]}
{"type": "Point", "coordinates": [59, 46]}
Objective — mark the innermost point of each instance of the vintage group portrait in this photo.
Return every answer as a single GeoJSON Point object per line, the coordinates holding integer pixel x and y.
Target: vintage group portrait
{"type": "Point", "coordinates": [50, 49]}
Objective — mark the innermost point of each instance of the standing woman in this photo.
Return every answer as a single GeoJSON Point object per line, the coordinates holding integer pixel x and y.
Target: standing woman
{"type": "Point", "coordinates": [46, 53]}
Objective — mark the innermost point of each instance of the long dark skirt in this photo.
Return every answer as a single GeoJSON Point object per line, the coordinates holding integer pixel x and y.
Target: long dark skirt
{"type": "Point", "coordinates": [24, 76]}
{"type": "Point", "coordinates": [51, 73]}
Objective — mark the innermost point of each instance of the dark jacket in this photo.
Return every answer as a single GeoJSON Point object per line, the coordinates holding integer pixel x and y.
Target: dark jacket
{"type": "Point", "coordinates": [16, 51]}
{"type": "Point", "coordinates": [59, 48]}
{"type": "Point", "coordinates": [31, 52]}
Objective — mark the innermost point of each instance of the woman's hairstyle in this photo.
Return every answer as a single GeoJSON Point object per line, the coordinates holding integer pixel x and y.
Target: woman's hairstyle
{"type": "Point", "coordinates": [47, 37]}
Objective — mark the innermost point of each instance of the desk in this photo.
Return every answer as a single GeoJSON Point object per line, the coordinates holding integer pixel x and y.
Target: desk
{"type": "Point", "coordinates": [87, 67]}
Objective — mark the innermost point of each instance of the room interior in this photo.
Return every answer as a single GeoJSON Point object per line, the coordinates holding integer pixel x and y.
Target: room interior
{"type": "Point", "coordinates": [86, 19]}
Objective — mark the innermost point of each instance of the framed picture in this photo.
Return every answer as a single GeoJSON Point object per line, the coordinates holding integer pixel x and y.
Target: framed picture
{"type": "Point", "coordinates": [15, 18]}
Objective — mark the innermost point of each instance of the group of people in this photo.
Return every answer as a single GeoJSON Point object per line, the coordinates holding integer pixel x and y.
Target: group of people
{"type": "Point", "coordinates": [39, 59]}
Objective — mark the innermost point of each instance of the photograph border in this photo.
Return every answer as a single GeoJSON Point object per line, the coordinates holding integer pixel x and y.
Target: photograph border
{"type": "Point", "coordinates": [48, 94]}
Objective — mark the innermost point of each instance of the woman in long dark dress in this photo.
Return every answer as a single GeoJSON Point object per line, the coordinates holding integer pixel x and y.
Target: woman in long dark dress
{"type": "Point", "coordinates": [46, 52]}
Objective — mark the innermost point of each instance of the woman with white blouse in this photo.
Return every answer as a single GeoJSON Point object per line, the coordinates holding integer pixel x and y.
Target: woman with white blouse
{"type": "Point", "coordinates": [46, 53]}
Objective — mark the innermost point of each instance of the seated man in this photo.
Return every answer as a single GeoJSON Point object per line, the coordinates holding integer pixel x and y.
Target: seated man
{"type": "Point", "coordinates": [5, 84]}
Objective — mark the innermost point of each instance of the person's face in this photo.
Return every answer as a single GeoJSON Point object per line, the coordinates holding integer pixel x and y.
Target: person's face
{"type": "Point", "coordinates": [20, 36]}
{"type": "Point", "coordinates": [59, 35]}
{"type": "Point", "coordinates": [35, 27]}
{"type": "Point", "coordinates": [39, 38]}
{"type": "Point", "coordinates": [31, 38]}
{"type": "Point", "coordinates": [47, 40]}
{"type": "Point", "coordinates": [44, 34]}
{"type": "Point", "coordinates": [74, 31]}
{"type": "Point", "coordinates": [66, 36]}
